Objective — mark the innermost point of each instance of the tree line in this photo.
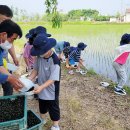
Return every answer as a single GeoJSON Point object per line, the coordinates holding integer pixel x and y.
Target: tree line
{"type": "Point", "coordinates": [73, 15]}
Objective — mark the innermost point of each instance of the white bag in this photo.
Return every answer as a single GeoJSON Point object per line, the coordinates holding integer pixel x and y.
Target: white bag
{"type": "Point", "coordinates": [27, 84]}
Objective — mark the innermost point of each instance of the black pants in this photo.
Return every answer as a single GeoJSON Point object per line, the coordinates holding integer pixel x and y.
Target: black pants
{"type": "Point", "coordinates": [7, 89]}
{"type": "Point", "coordinates": [51, 106]}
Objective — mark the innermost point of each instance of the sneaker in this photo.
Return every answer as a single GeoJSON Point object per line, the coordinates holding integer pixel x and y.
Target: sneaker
{"type": "Point", "coordinates": [119, 91]}
{"type": "Point", "coordinates": [120, 88]}
{"type": "Point", "coordinates": [55, 128]}
{"type": "Point", "coordinates": [83, 72]}
{"type": "Point", "coordinates": [123, 90]}
{"type": "Point", "coordinates": [71, 72]}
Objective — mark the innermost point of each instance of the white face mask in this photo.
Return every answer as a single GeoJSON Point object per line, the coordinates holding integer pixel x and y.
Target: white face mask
{"type": "Point", "coordinates": [6, 45]}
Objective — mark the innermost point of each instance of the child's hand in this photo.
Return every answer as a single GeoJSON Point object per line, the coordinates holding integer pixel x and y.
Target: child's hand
{"type": "Point", "coordinates": [38, 89]}
{"type": "Point", "coordinates": [67, 66]}
{"type": "Point", "coordinates": [81, 60]}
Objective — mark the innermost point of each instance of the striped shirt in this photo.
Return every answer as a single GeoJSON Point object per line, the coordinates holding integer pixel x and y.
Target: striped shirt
{"type": "Point", "coordinates": [68, 50]}
{"type": "Point", "coordinates": [75, 55]}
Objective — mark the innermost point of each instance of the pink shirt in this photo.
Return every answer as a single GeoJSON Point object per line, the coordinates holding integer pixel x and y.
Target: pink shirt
{"type": "Point", "coordinates": [122, 54]}
{"type": "Point", "coordinates": [26, 54]}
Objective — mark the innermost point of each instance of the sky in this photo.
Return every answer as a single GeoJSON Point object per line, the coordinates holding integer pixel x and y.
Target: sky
{"type": "Point", "coordinates": [105, 7]}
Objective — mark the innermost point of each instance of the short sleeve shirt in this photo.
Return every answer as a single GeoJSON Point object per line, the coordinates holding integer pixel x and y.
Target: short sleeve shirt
{"type": "Point", "coordinates": [48, 69]}
{"type": "Point", "coordinates": [59, 47]}
{"type": "Point", "coordinates": [75, 55]}
{"type": "Point", "coordinates": [27, 54]}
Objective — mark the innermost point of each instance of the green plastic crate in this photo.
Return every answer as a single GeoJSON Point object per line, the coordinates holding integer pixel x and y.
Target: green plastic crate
{"type": "Point", "coordinates": [12, 102]}
{"type": "Point", "coordinates": [36, 126]}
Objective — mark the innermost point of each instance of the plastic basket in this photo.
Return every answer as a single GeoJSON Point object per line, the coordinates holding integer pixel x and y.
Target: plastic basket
{"type": "Point", "coordinates": [34, 126]}
{"type": "Point", "coordinates": [13, 104]}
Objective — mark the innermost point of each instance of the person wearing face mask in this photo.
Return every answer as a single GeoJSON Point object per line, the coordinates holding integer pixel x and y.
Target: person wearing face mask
{"type": "Point", "coordinates": [6, 13]}
{"type": "Point", "coordinates": [9, 31]}
{"type": "Point", "coordinates": [47, 70]}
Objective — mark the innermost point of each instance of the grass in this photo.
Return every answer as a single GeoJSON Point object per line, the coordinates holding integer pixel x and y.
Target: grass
{"type": "Point", "coordinates": [75, 29]}
{"type": "Point", "coordinates": [91, 72]}
{"type": "Point", "coordinates": [127, 89]}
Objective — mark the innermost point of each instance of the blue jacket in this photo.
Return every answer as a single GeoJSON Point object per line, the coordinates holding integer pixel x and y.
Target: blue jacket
{"type": "Point", "coordinates": [3, 77]}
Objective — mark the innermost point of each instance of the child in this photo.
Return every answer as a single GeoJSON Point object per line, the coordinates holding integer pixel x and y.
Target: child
{"type": "Point", "coordinates": [75, 58]}
{"type": "Point", "coordinates": [67, 50]}
{"type": "Point", "coordinates": [47, 69]}
{"type": "Point", "coordinates": [29, 60]}
{"type": "Point", "coordinates": [59, 49]}
{"type": "Point", "coordinates": [122, 53]}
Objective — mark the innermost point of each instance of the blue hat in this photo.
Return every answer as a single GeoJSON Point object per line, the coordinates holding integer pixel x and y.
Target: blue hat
{"type": "Point", "coordinates": [81, 46]}
{"type": "Point", "coordinates": [27, 35]}
{"type": "Point", "coordinates": [42, 44]}
{"type": "Point", "coordinates": [125, 39]}
{"type": "Point", "coordinates": [66, 44]}
{"type": "Point", "coordinates": [31, 33]}
{"type": "Point", "coordinates": [41, 29]}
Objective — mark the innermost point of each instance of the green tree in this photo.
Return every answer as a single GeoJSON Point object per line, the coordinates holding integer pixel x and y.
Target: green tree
{"type": "Point", "coordinates": [102, 18]}
{"type": "Point", "coordinates": [86, 13]}
{"type": "Point", "coordinates": [51, 6]}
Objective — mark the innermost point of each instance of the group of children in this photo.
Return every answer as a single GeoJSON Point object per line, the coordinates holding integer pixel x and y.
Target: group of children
{"type": "Point", "coordinates": [43, 63]}
{"type": "Point", "coordinates": [71, 55]}
{"type": "Point", "coordinates": [46, 67]}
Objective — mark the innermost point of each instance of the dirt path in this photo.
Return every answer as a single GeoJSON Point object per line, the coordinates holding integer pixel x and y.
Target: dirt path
{"type": "Point", "coordinates": [85, 105]}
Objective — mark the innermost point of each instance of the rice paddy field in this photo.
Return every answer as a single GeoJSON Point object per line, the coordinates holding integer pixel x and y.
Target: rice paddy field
{"type": "Point", "coordinates": [101, 38]}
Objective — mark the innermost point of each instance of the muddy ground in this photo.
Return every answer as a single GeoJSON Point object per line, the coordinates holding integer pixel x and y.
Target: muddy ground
{"type": "Point", "coordinates": [85, 105]}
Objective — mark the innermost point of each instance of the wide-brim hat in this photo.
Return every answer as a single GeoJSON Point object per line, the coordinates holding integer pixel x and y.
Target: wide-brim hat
{"type": "Point", "coordinates": [31, 33]}
{"type": "Point", "coordinates": [82, 46]}
{"type": "Point", "coordinates": [66, 44]}
{"type": "Point", "coordinates": [42, 44]}
{"type": "Point", "coordinates": [41, 29]}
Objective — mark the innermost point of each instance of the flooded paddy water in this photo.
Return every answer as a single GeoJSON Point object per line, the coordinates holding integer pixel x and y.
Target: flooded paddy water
{"type": "Point", "coordinates": [100, 53]}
